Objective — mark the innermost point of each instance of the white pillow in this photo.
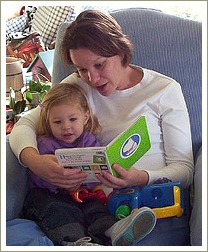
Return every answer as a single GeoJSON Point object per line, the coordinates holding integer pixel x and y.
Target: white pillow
{"type": "Point", "coordinates": [17, 24]}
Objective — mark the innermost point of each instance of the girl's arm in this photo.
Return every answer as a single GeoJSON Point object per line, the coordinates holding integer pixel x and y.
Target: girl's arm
{"type": "Point", "coordinates": [47, 167]}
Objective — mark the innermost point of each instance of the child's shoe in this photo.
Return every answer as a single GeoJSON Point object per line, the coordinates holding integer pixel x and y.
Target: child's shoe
{"type": "Point", "coordinates": [131, 229]}
{"type": "Point", "coordinates": [84, 241]}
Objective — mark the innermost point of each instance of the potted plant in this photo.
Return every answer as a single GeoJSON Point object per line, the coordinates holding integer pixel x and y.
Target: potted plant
{"type": "Point", "coordinates": [36, 91]}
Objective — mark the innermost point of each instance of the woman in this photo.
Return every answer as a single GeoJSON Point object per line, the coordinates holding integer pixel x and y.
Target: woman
{"type": "Point", "coordinates": [119, 93]}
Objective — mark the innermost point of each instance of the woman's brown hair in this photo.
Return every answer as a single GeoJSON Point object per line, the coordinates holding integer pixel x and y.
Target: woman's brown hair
{"type": "Point", "coordinates": [62, 93]}
{"type": "Point", "coordinates": [98, 32]}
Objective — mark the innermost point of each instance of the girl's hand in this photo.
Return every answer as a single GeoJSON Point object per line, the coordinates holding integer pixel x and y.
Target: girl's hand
{"type": "Point", "coordinates": [47, 167]}
{"type": "Point", "coordinates": [132, 177]}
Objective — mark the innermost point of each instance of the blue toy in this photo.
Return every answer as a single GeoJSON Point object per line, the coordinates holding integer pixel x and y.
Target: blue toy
{"type": "Point", "coordinates": [165, 199]}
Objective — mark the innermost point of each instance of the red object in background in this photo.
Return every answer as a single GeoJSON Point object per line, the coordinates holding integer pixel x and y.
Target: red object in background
{"type": "Point", "coordinates": [26, 48]}
{"type": "Point", "coordinates": [38, 69]}
{"type": "Point", "coordinates": [42, 65]}
{"type": "Point", "coordinates": [22, 10]}
{"type": "Point", "coordinates": [81, 195]}
{"type": "Point", "coordinates": [9, 127]}
{"type": "Point", "coordinates": [9, 124]}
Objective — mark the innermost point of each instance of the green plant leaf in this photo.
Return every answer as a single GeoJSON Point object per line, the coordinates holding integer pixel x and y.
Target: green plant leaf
{"type": "Point", "coordinates": [41, 95]}
{"type": "Point", "coordinates": [35, 86]}
{"type": "Point", "coordinates": [46, 86]}
{"type": "Point", "coordinates": [28, 96]}
{"type": "Point", "coordinates": [39, 86]}
{"type": "Point", "coordinates": [19, 106]}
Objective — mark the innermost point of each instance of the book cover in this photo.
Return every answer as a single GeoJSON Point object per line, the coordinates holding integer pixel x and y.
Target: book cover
{"type": "Point", "coordinates": [126, 149]}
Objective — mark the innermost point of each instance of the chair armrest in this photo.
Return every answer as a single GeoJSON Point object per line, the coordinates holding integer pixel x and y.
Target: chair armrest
{"type": "Point", "coordinates": [196, 214]}
{"type": "Point", "coordinates": [16, 184]}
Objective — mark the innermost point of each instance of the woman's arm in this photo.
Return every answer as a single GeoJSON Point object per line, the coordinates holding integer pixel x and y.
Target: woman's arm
{"type": "Point", "coordinates": [175, 146]}
{"type": "Point", "coordinates": [23, 134]}
{"type": "Point", "coordinates": [176, 138]}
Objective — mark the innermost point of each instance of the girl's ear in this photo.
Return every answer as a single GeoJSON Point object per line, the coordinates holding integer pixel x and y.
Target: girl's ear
{"type": "Point", "coordinates": [86, 117]}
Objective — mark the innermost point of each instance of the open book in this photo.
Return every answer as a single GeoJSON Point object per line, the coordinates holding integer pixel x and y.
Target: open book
{"type": "Point", "coordinates": [126, 149]}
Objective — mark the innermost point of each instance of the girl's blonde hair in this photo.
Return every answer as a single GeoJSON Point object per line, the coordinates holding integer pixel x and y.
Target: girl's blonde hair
{"type": "Point", "coordinates": [61, 93]}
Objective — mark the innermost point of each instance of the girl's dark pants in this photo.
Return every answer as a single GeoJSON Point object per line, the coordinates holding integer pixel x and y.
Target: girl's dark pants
{"type": "Point", "coordinates": [64, 220]}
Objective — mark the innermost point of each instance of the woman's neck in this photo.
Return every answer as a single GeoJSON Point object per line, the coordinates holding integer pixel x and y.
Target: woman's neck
{"type": "Point", "coordinates": [133, 76]}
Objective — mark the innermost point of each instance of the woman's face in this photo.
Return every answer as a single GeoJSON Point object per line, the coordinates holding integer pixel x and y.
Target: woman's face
{"type": "Point", "coordinates": [105, 74]}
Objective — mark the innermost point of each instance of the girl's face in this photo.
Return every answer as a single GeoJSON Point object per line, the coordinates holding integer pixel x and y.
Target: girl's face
{"type": "Point", "coordinates": [67, 121]}
{"type": "Point", "coordinates": [106, 74]}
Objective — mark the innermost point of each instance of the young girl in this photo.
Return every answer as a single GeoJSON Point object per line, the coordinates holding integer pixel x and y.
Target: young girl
{"type": "Point", "coordinates": [66, 121]}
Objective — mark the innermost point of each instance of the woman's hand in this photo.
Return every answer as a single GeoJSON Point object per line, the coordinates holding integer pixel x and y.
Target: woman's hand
{"type": "Point", "coordinates": [47, 167]}
{"type": "Point", "coordinates": [132, 177]}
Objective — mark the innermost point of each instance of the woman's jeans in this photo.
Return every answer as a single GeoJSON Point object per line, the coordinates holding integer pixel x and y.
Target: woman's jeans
{"type": "Point", "coordinates": [23, 232]}
{"type": "Point", "coordinates": [64, 220]}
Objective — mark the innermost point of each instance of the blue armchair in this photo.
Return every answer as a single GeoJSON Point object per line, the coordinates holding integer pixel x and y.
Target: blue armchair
{"type": "Point", "coordinates": [167, 44]}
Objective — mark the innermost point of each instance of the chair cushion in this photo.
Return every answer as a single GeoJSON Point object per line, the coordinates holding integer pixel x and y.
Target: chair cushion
{"type": "Point", "coordinates": [47, 20]}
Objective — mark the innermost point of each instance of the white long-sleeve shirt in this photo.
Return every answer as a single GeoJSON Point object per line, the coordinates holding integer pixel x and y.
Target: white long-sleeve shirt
{"type": "Point", "coordinates": [157, 97]}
